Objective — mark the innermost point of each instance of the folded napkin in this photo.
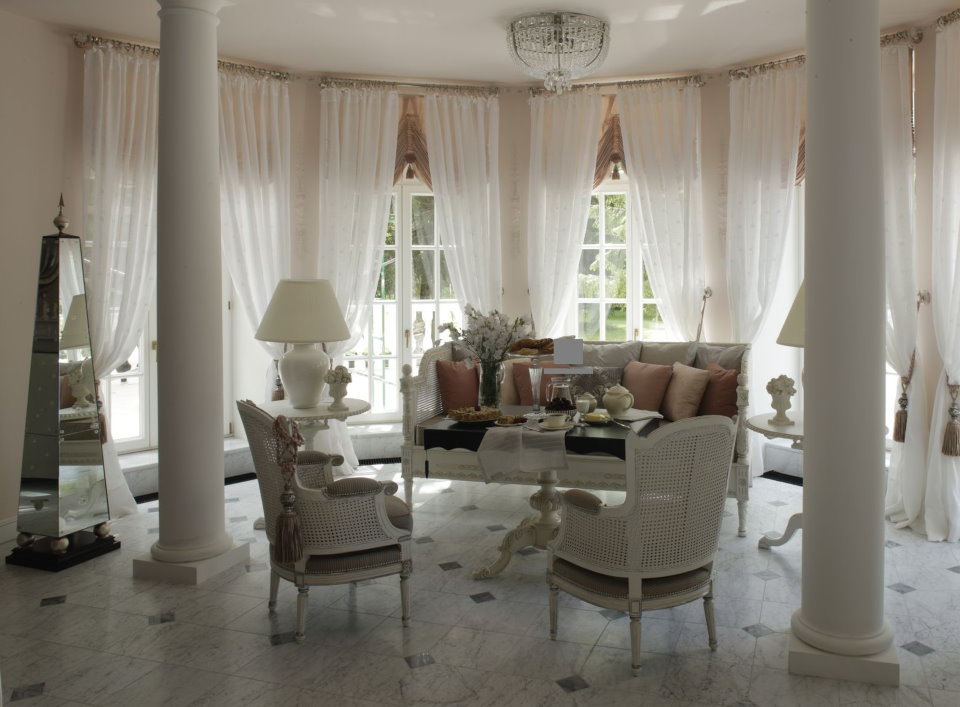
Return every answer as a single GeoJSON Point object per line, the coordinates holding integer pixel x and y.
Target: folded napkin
{"type": "Point", "coordinates": [505, 450]}
{"type": "Point", "coordinates": [634, 415]}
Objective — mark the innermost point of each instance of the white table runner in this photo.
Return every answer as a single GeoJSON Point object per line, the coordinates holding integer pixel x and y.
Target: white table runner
{"type": "Point", "coordinates": [505, 450]}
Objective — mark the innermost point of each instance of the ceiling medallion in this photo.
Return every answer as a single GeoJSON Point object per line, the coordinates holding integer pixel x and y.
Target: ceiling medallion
{"type": "Point", "coordinates": [558, 46]}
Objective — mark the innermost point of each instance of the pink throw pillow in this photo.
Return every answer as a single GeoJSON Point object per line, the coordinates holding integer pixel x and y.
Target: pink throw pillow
{"type": "Point", "coordinates": [459, 385]}
{"type": "Point", "coordinates": [683, 396]}
{"type": "Point", "coordinates": [647, 382]}
{"type": "Point", "coordinates": [720, 397]}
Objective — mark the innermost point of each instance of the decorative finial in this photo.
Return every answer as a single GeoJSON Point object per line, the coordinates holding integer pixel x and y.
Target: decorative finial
{"type": "Point", "coordinates": [60, 221]}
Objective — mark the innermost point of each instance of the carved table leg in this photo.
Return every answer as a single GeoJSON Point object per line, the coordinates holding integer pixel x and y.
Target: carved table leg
{"type": "Point", "coordinates": [793, 525]}
{"type": "Point", "coordinates": [535, 530]}
{"type": "Point", "coordinates": [742, 515]}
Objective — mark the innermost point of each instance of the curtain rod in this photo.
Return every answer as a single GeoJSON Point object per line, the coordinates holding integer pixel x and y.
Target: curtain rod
{"type": "Point", "coordinates": [692, 80]}
{"type": "Point", "coordinates": [87, 40]}
{"type": "Point", "coordinates": [948, 19]}
{"type": "Point", "coordinates": [331, 81]}
{"type": "Point", "coordinates": [743, 72]}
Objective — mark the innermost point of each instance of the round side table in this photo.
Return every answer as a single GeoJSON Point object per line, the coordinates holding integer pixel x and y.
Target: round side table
{"type": "Point", "coordinates": [794, 432]}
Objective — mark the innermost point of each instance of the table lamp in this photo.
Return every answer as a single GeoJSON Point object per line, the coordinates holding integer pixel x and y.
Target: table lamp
{"type": "Point", "coordinates": [792, 334]}
{"type": "Point", "coordinates": [303, 313]}
{"type": "Point", "coordinates": [76, 336]}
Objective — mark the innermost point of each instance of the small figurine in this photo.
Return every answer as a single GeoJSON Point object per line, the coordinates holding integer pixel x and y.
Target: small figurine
{"type": "Point", "coordinates": [337, 380]}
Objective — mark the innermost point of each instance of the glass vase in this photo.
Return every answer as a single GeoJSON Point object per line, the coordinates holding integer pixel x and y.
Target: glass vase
{"type": "Point", "coordinates": [491, 378]}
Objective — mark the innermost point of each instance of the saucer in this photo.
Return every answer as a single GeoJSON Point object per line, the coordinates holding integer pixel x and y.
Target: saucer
{"type": "Point", "coordinates": [547, 428]}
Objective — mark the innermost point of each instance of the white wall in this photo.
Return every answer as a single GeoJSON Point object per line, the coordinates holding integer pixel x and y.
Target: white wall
{"type": "Point", "coordinates": [39, 134]}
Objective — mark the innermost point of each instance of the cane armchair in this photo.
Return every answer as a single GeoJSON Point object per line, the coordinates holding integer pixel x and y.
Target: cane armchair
{"type": "Point", "coordinates": [352, 529]}
{"type": "Point", "coordinates": [655, 550]}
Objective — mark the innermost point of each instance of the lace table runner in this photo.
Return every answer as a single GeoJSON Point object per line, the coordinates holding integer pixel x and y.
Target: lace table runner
{"type": "Point", "coordinates": [504, 450]}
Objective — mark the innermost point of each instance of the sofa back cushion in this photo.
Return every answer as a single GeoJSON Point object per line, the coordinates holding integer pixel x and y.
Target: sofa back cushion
{"type": "Point", "coordinates": [665, 353]}
{"type": "Point", "coordinates": [729, 357]}
{"type": "Point", "coordinates": [684, 393]}
{"type": "Point", "coordinates": [647, 382]}
{"type": "Point", "coordinates": [609, 355]}
{"type": "Point", "coordinates": [720, 396]}
{"type": "Point", "coordinates": [459, 383]}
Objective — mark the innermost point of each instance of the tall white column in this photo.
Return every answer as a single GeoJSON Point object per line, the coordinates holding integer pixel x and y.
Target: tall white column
{"type": "Point", "coordinates": [840, 624]}
{"type": "Point", "coordinates": [193, 544]}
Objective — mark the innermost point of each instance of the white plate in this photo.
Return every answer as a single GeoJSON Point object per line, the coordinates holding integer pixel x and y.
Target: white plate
{"type": "Point", "coordinates": [509, 424]}
{"type": "Point", "coordinates": [545, 428]}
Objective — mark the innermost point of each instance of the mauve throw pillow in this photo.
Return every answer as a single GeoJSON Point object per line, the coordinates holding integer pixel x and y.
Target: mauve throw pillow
{"type": "Point", "coordinates": [521, 379]}
{"type": "Point", "coordinates": [720, 397]}
{"type": "Point", "coordinates": [683, 396]}
{"type": "Point", "coordinates": [647, 382]}
{"type": "Point", "coordinates": [459, 384]}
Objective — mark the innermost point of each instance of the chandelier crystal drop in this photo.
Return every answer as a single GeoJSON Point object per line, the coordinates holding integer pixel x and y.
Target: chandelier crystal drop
{"type": "Point", "coordinates": [558, 46]}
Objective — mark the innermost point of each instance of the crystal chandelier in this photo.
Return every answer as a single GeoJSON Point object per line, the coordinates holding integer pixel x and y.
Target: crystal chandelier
{"type": "Point", "coordinates": [558, 46]}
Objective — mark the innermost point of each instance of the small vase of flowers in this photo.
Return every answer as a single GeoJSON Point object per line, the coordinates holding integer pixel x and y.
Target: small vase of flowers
{"type": "Point", "coordinates": [781, 389]}
{"type": "Point", "coordinates": [488, 337]}
{"type": "Point", "coordinates": [337, 380]}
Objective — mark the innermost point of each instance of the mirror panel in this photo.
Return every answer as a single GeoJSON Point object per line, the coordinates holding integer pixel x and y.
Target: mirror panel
{"type": "Point", "coordinates": [62, 487]}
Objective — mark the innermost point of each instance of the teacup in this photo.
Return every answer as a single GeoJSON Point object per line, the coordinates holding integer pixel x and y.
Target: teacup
{"type": "Point", "coordinates": [555, 419]}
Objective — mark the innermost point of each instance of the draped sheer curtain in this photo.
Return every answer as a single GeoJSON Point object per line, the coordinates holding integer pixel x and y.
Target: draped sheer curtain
{"type": "Point", "coordinates": [358, 142]}
{"type": "Point", "coordinates": [564, 131]}
{"type": "Point", "coordinates": [462, 134]}
{"type": "Point", "coordinates": [660, 123]}
{"type": "Point", "coordinates": [942, 494]}
{"type": "Point", "coordinates": [119, 190]}
{"type": "Point", "coordinates": [255, 189]}
{"type": "Point", "coordinates": [766, 111]}
{"type": "Point", "coordinates": [907, 475]}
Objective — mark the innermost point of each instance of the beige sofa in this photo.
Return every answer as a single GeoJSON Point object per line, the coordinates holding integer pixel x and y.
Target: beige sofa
{"type": "Point", "coordinates": [422, 403]}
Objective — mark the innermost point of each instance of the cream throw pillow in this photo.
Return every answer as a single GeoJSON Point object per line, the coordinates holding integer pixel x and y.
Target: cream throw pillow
{"type": "Point", "coordinates": [682, 399]}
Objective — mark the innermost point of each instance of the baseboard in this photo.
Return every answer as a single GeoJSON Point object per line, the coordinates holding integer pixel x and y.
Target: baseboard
{"type": "Point", "coordinates": [785, 478]}
{"type": "Point", "coordinates": [8, 530]}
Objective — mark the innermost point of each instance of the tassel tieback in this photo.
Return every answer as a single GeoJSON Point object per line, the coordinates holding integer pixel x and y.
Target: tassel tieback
{"type": "Point", "coordinates": [288, 545]}
{"type": "Point", "coordinates": [900, 417]}
{"type": "Point", "coordinates": [951, 435]}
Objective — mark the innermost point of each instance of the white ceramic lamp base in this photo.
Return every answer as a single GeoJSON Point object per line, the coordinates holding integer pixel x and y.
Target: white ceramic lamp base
{"type": "Point", "coordinates": [302, 370]}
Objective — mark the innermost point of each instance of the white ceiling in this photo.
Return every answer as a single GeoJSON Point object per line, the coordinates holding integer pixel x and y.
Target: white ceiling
{"type": "Point", "coordinates": [463, 40]}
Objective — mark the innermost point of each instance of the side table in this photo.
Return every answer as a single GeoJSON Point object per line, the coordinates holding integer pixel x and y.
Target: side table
{"type": "Point", "coordinates": [794, 432]}
{"type": "Point", "coordinates": [311, 421]}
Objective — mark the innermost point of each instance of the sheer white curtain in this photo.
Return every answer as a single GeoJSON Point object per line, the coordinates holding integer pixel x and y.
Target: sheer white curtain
{"type": "Point", "coordinates": [564, 131]}
{"type": "Point", "coordinates": [942, 502]}
{"type": "Point", "coordinates": [358, 144]}
{"type": "Point", "coordinates": [661, 144]}
{"type": "Point", "coordinates": [765, 115]}
{"type": "Point", "coordinates": [255, 189]}
{"type": "Point", "coordinates": [120, 96]}
{"type": "Point", "coordinates": [906, 480]}
{"type": "Point", "coordinates": [463, 143]}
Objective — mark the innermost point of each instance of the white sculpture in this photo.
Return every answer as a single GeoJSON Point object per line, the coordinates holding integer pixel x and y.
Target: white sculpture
{"type": "Point", "coordinates": [781, 389]}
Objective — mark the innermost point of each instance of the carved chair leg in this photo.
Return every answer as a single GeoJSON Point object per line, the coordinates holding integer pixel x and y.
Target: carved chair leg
{"type": "Point", "coordinates": [405, 600]}
{"type": "Point", "coordinates": [408, 491]}
{"type": "Point", "coordinates": [302, 594]}
{"type": "Point", "coordinates": [554, 591]}
{"type": "Point", "coordinates": [635, 613]}
{"type": "Point", "coordinates": [709, 615]}
{"type": "Point", "coordinates": [274, 589]}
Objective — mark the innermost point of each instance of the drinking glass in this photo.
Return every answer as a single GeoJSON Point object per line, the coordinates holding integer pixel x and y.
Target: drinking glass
{"type": "Point", "coordinates": [583, 407]}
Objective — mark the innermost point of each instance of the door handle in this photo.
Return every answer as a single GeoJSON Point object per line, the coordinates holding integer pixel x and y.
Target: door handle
{"type": "Point", "coordinates": [406, 338]}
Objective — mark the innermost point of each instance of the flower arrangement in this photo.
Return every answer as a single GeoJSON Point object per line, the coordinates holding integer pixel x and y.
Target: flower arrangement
{"type": "Point", "coordinates": [781, 385]}
{"type": "Point", "coordinates": [488, 336]}
{"type": "Point", "coordinates": [340, 374]}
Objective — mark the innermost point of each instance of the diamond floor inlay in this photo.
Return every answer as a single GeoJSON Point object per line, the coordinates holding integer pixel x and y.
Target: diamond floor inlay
{"type": "Point", "coordinates": [50, 601]}
{"type": "Point", "coordinates": [119, 641]}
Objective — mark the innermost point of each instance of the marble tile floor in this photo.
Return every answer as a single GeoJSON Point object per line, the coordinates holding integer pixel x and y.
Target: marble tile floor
{"type": "Point", "coordinates": [92, 635]}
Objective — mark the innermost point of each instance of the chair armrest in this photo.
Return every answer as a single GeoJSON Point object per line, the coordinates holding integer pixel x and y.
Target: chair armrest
{"type": "Point", "coordinates": [583, 500]}
{"type": "Point", "coordinates": [315, 469]}
{"type": "Point", "coordinates": [591, 534]}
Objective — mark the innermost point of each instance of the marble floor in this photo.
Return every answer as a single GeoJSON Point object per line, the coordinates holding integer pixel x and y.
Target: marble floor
{"type": "Point", "coordinates": [92, 635]}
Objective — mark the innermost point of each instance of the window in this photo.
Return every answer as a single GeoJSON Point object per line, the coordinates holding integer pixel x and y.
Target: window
{"type": "Point", "coordinates": [614, 299]}
{"type": "Point", "coordinates": [414, 297]}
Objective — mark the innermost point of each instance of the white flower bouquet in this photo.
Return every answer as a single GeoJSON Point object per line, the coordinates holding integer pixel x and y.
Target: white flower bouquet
{"type": "Point", "coordinates": [488, 336]}
{"type": "Point", "coordinates": [340, 374]}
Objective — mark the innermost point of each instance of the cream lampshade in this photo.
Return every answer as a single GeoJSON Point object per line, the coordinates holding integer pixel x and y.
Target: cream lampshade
{"type": "Point", "coordinates": [792, 333]}
{"type": "Point", "coordinates": [303, 313]}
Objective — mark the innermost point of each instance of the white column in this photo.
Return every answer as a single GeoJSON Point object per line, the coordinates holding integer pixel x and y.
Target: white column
{"type": "Point", "coordinates": [193, 544]}
{"type": "Point", "coordinates": [840, 624]}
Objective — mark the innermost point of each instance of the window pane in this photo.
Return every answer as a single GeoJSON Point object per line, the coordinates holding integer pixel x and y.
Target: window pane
{"type": "Point", "coordinates": [362, 347]}
{"type": "Point", "coordinates": [446, 287]}
{"type": "Point", "coordinates": [588, 326]}
{"type": "Point", "coordinates": [125, 396]}
{"type": "Point", "coordinates": [387, 284]}
{"type": "Point", "coordinates": [422, 216]}
{"type": "Point", "coordinates": [449, 313]}
{"type": "Point", "coordinates": [384, 318]}
{"type": "Point", "coordinates": [588, 275]}
{"type": "Point", "coordinates": [360, 387]}
{"type": "Point", "coordinates": [653, 326]}
{"type": "Point", "coordinates": [391, 236]}
{"type": "Point", "coordinates": [615, 211]}
{"type": "Point", "coordinates": [593, 222]}
{"type": "Point", "coordinates": [386, 389]}
{"type": "Point", "coordinates": [616, 280]}
{"type": "Point", "coordinates": [616, 322]}
{"type": "Point", "coordinates": [422, 284]}
{"type": "Point", "coordinates": [647, 289]}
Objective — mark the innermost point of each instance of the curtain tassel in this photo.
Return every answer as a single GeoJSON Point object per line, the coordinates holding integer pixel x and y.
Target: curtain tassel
{"type": "Point", "coordinates": [288, 547]}
{"type": "Point", "coordinates": [951, 435]}
{"type": "Point", "coordinates": [900, 420]}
